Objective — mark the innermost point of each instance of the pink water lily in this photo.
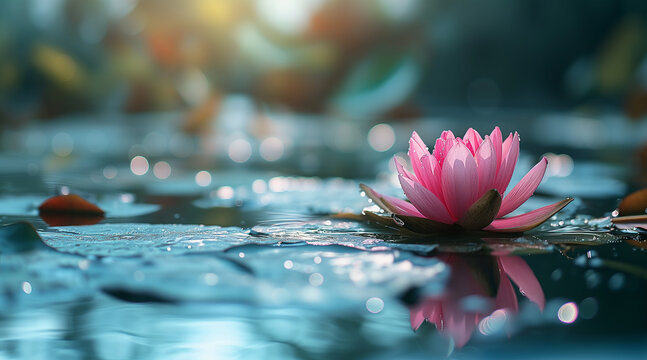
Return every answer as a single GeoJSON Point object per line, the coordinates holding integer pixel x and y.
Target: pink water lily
{"type": "Point", "coordinates": [477, 276]}
{"type": "Point", "coordinates": [461, 184]}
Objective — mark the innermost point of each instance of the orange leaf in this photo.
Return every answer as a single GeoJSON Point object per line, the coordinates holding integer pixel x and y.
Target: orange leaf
{"type": "Point", "coordinates": [69, 204]}
{"type": "Point", "coordinates": [69, 219]}
{"type": "Point", "coordinates": [634, 204]}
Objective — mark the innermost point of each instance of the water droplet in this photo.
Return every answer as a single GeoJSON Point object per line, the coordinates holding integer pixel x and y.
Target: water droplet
{"type": "Point", "coordinates": [26, 287]}
{"type": "Point", "coordinates": [398, 221]}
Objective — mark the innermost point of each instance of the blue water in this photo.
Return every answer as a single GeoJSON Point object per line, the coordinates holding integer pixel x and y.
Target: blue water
{"type": "Point", "coordinates": [262, 264]}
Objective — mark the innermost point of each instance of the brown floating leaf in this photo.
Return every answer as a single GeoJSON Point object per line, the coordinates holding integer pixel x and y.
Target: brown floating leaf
{"type": "Point", "coordinates": [70, 204]}
{"type": "Point", "coordinates": [630, 219]}
{"type": "Point", "coordinates": [482, 212]}
{"type": "Point", "coordinates": [69, 219]}
{"type": "Point", "coordinates": [630, 222]}
{"type": "Point", "coordinates": [381, 219]}
{"type": "Point", "coordinates": [634, 203]}
{"type": "Point", "coordinates": [421, 225]}
{"type": "Point", "coordinates": [65, 210]}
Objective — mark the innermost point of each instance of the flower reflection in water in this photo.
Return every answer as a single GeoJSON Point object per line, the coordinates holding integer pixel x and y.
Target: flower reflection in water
{"type": "Point", "coordinates": [478, 293]}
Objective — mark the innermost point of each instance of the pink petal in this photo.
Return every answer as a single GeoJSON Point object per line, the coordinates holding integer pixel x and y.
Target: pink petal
{"type": "Point", "coordinates": [510, 154]}
{"type": "Point", "coordinates": [431, 171]}
{"type": "Point", "coordinates": [506, 297]}
{"type": "Point", "coordinates": [416, 318]}
{"type": "Point", "coordinates": [418, 149]}
{"type": "Point", "coordinates": [432, 310]}
{"type": "Point", "coordinates": [522, 275]}
{"type": "Point", "coordinates": [403, 207]}
{"type": "Point", "coordinates": [442, 146]}
{"type": "Point", "coordinates": [459, 180]}
{"type": "Point", "coordinates": [419, 145]}
{"type": "Point", "coordinates": [460, 325]}
{"type": "Point", "coordinates": [487, 163]}
{"type": "Point", "coordinates": [473, 140]}
{"type": "Point", "coordinates": [524, 189]}
{"type": "Point", "coordinates": [425, 201]}
{"type": "Point", "coordinates": [527, 221]}
{"type": "Point", "coordinates": [417, 166]}
{"type": "Point", "coordinates": [497, 141]}
{"type": "Point", "coordinates": [402, 171]}
{"type": "Point", "coordinates": [434, 313]}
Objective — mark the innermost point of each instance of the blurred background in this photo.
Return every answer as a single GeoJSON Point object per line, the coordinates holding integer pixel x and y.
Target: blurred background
{"type": "Point", "coordinates": [271, 82]}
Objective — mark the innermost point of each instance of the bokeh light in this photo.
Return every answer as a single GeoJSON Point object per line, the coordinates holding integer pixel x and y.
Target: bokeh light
{"type": "Point", "coordinates": [203, 178]}
{"type": "Point", "coordinates": [240, 150]}
{"type": "Point", "coordinates": [162, 170]}
{"type": "Point", "coordinates": [567, 313]}
{"type": "Point", "coordinates": [381, 137]}
{"type": "Point", "coordinates": [62, 144]}
{"type": "Point", "coordinates": [374, 305]}
{"type": "Point", "coordinates": [271, 149]}
{"type": "Point", "coordinates": [139, 165]}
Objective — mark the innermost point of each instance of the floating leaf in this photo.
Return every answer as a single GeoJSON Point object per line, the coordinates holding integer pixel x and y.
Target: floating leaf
{"type": "Point", "coordinates": [69, 219]}
{"type": "Point", "coordinates": [630, 222]}
{"type": "Point", "coordinates": [634, 203]}
{"type": "Point", "coordinates": [69, 204]}
{"type": "Point", "coordinates": [65, 210]}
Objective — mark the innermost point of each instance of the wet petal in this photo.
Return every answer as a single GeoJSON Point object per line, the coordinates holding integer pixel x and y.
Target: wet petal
{"type": "Point", "coordinates": [419, 145]}
{"type": "Point", "coordinates": [392, 204]}
{"type": "Point", "coordinates": [431, 170]}
{"type": "Point", "coordinates": [459, 180]}
{"type": "Point", "coordinates": [527, 221]}
{"type": "Point", "coordinates": [442, 146]}
{"type": "Point", "coordinates": [402, 171]}
{"type": "Point", "coordinates": [522, 275]}
{"type": "Point", "coordinates": [400, 206]}
{"type": "Point", "coordinates": [506, 297]}
{"type": "Point", "coordinates": [416, 317]}
{"type": "Point", "coordinates": [524, 189]}
{"type": "Point", "coordinates": [460, 325]}
{"type": "Point", "coordinates": [510, 153]}
{"type": "Point", "coordinates": [433, 312]}
{"type": "Point", "coordinates": [497, 141]}
{"type": "Point", "coordinates": [423, 176]}
{"type": "Point", "coordinates": [487, 162]}
{"type": "Point", "coordinates": [473, 140]}
{"type": "Point", "coordinates": [425, 201]}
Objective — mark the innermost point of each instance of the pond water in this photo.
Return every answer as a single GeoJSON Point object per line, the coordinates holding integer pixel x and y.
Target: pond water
{"type": "Point", "coordinates": [274, 259]}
